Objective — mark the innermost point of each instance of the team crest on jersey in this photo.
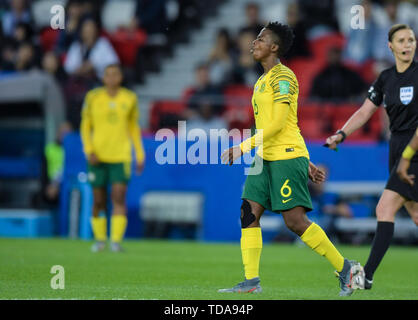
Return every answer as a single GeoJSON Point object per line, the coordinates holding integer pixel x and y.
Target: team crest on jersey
{"type": "Point", "coordinates": [406, 94]}
{"type": "Point", "coordinates": [263, 86]}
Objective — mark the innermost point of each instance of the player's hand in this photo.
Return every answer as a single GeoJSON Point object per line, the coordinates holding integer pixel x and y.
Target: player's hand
{"type": "Point", "coordinates": [316, 174]}
{"type": "Point", "coordinates": [231, 154]}
{"type": "Point", "coordinates": [402, 171]}
{"type": "Point", "coordinates": [139, 168]}
{"type": "Point", "coordinates": [92, 159]}
{"type": "Point", "coordinates": [333, 141]}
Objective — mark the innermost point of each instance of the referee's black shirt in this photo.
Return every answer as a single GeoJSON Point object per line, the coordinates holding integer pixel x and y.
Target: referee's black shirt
{"type": "Point", "coordinates": [398, 92]}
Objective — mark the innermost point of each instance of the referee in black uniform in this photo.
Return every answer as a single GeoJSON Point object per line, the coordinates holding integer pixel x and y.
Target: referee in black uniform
{"type": "Point", "coordinates": [397, 88]}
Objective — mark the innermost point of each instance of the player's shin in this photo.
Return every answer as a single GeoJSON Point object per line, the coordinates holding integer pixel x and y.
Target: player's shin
{"type": "Point", "coordinates": [118, 227]}
{"type": "Point", "coordinates": [251, 246]}
{"type": "Point", "coordinates": [317, 240]}
{"type": "Point", "coordinates": [99, 227]}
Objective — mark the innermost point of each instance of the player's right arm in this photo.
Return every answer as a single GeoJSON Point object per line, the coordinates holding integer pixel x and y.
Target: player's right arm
{"type": "Point", "coordinates": [86, 130]}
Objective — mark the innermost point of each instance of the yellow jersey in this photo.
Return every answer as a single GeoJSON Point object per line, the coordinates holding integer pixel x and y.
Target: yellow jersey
{"type": "Point", "coordinates": [109, 126]}
{"type": "Point", "coordinates": [275, 104]}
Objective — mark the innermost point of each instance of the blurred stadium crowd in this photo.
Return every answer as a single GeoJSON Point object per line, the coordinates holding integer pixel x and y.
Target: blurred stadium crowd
{"type": "Point", "coordinates": [334, 63]}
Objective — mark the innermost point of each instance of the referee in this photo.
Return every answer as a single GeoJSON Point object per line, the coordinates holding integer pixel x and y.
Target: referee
{"type": "Point", "coordinates": [397, 89]}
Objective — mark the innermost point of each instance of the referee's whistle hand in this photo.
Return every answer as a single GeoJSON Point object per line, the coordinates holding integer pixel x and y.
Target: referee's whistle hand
{"type": "Point", "coordinates": [333, 141]}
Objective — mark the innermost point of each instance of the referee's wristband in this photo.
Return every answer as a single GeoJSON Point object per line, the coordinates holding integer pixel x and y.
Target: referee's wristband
{"type": "Point", "coordinates": [408, 153]}
{"type": "Point", "coordinates": [344, 135]}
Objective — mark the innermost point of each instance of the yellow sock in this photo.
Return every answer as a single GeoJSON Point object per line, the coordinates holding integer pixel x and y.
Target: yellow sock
{"type": "Point", "coordinates": [318, 241]}
{"type": "Point", "coordinates": [118, 226]}
{"type": "Point", "coordinates": [99, 226]}
{"type": "Point", "coordinates": [251, 245]}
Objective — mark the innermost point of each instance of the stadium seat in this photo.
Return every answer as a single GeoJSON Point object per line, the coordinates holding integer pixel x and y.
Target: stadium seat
{"type": "Point", "coordinates": [126, 44]}
{"type": "Point", "coordinates": [320, 46]}
{"type": "Point", "coordinates": [238, 108]}
{"type": "Point", "coordinates": [305, 71]}
{"type": "Point", "coordinates": [48, 38]}
{"type": "Point", "coordinates": [165, 113]}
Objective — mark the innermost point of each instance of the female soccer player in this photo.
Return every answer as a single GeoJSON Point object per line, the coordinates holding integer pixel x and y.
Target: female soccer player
{"type": "Point", "coordinates": [109, 127]}
{"type": "Point", "coordinates": [282, 185]}
{"type": "Point", "coordinates": [397, 88]}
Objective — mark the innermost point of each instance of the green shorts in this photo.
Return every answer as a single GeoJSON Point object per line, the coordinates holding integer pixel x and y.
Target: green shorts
{"type": "Point", "coordinates": [109, 173]}
{"type": "Point", "coordinates": [281, 185]}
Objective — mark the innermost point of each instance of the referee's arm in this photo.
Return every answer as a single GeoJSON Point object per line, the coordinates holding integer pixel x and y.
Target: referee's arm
{"type": "Point", "coordinates": [405, 160]}
{"type": "Point", "coordinates": [356, 121]}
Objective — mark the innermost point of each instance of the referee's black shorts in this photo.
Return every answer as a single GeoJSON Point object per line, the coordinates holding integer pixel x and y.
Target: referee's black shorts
{"type": "Point", "coordinates": [397, 144]}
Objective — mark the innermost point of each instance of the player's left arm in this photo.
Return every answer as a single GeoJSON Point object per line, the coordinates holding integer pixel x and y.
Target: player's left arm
{"type": "Point", "coordinates": [405, 161]}
{"type": "Point", "coordinates": [135, 133]}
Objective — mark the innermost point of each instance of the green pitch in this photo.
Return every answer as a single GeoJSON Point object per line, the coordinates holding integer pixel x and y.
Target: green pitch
{"type": "Point", "coordinates": [188, 270]}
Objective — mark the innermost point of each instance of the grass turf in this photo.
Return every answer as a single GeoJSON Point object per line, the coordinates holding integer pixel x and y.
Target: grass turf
{"type": "Point", "coordinates": [189, 270]}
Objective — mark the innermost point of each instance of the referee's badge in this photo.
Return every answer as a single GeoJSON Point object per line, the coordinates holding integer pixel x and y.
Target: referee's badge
{"type": "Point", "coordinates": [406, 94]}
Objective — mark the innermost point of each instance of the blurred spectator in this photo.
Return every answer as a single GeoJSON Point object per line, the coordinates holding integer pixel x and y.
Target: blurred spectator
{"type": "Point", "coordinates": [74, 12]}
{"type": "Point", "coordinates": [300, 47]}
{"type": "Point", "coordinates": [220, 58]}
{"type": "Point", "coordinates": [89, 57]}
{"type": "Point", "coordinates": [51, 64]}
{"type": "Point", "coordinates": [18, 12]}
{"type": "Point", "coordinates": [26, 58]}
{"type": "Point", "coordinates": [23, 33]}
{"type": "Point", "coordinates": [54, 156]}
{"type": "Point", "coordinates": [254, 22]}
{"type": "Point", "coordinates": [8, 55]}
{"type": "Point", "coordinates": [336, 82]}
{"type": "Point", "coordinates": [320, 17]}
{"type": "Point", "coordinates": [205, 99]}
{"type": "Point", "coordinates": [246, 71]}
{"type": "Point", "coordinates": [151, 15]}
{"type": "Point", "coordinates": [361, 42]}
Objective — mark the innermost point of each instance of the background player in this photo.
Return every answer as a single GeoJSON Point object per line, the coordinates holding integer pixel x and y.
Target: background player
{"type": "Point", "coordinates": [397, 88]}
{"type": "Point", "coordinates": [405, 161]}
{"type": "Point", "coordinates": [282, 185]}
{"type": "Point", "coordinates": [109, 127]}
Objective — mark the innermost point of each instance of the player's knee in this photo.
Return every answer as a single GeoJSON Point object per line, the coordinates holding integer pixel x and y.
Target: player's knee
{"type": "Point", "coordinates": [118, 198]}
{"type": "Point", "coordinates": [383, 213]}
{"type": "Point", "coordinates": [247, 217]}
{"type": "Point", "coordinates": [99, 203]}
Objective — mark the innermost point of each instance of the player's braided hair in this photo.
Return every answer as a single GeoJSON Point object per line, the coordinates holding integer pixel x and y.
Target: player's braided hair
{"type": "Point", "coordinates": [284, 35]}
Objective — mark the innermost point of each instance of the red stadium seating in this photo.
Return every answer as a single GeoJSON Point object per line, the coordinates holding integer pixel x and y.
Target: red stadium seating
{"type": "Point", "coordinates": [126, 44]}
{"type": "Point", "coordinates": [320, 46]}
{"type": "Point", "coordinates": [238, 108]}
{"type": "Point", "coordinates": [305, 70]}
{"type": "Point", "coordinates": [48, 38]}
{"type": "Point", "coordinates": [165, 109]}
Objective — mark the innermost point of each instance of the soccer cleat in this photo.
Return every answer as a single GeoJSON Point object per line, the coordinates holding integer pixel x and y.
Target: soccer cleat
{"type": "Point", "coordinates": [351, 270]}
{"type": "Point", "coordinates": [115, 247]}
{"type": "Point", "coordinates": [368, 284]}
{"type": "Point", "coordinates": [247, 286]}
{"type": "Point", "coordinates": [98, 246]}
